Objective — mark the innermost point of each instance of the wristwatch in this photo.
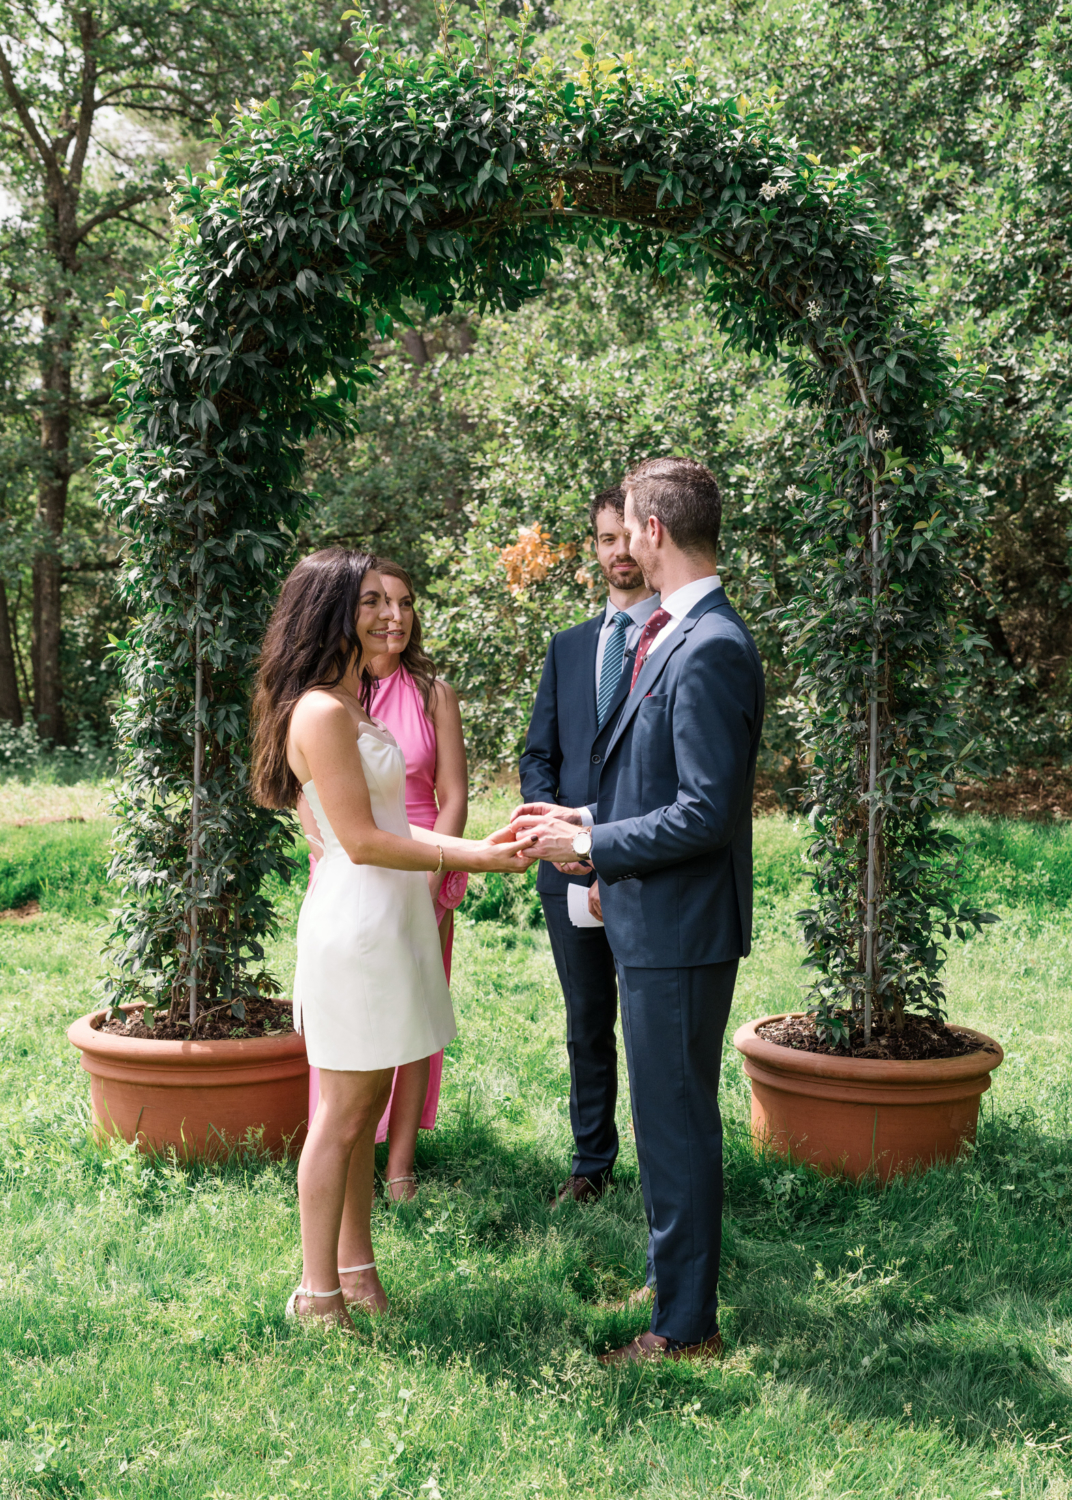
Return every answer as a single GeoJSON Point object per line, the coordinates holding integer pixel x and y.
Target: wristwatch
{"type": "Point", "coordinates": [582, 843]}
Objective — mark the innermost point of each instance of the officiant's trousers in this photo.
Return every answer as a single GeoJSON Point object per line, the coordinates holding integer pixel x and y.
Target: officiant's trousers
{"type": "Point", "coordinates": [586, 971]}
{"type": "Point", "coordinates": [673, 1023]}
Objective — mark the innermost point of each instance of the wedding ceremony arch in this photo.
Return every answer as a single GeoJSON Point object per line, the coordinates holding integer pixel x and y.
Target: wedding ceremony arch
{"type": "Point", "coordinates": [447, 184]}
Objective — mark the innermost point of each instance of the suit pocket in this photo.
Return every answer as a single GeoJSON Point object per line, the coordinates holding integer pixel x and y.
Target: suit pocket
{"type": "Point", "coordinates": [654, 702]}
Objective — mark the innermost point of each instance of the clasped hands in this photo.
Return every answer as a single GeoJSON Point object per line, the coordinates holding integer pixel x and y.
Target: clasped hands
{"type": "Point", "coordinates": [547, 832]}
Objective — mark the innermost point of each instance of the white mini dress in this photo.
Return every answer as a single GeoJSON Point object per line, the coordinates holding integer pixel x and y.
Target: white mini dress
{"type": "Point", "coordinates": [369, 988]}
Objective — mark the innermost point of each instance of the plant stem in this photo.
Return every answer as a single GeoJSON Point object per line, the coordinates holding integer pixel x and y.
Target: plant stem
{"type": "Point", "coordinates": [872, 780]}
{"type": "Point", "coordinates": [195, 800]}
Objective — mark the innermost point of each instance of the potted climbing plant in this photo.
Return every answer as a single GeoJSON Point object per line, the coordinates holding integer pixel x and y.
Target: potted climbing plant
{"type": "Point", "coordinates": [192, 1049]}
{"type": "Point", "coordinates": [872, 1078]}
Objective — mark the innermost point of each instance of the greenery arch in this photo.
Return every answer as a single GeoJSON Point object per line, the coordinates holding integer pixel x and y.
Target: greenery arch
{"type": "Point", "coordinates": [455, 183]}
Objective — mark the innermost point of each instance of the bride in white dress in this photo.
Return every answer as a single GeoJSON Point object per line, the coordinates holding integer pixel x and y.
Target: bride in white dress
{"type": "Point", "coordinates": [369, 991]}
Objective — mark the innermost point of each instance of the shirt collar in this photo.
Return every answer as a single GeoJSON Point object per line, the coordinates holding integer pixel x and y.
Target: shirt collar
{"type": "Point", "coordinates": [638, 613]}
{"type": "Point", "coordinates": [682, 600]}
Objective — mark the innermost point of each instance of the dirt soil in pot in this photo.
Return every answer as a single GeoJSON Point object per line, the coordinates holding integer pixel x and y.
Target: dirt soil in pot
{"type": "Point", "coordinates": [215, 1024]}
{"type": "Point", "coordinates": [920, 1041]}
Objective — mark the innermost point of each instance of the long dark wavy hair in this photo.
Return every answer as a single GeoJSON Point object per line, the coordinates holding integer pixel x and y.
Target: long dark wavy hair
{"type": "Point", "coordinates": [415, 659]}
{"type": "Point", "coordinates": [310, 642]}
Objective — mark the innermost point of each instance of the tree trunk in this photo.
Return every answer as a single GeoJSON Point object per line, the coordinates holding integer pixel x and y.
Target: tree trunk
{"type": "Point", "coordinates": [10, 704]}
{"type": "Point", "coordinates": [47, 573]}
{"type": "Point", "coordinates": [415, 346]}
{"type": "Point", "coordinates": [51, 510]}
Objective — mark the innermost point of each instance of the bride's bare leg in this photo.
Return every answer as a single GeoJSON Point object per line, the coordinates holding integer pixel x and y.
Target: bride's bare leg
{"type": "Point", "coordinates": [411, 1089]}
{"type": "Point", "coordinates": [340, 1145]}
{"type": "Point", "coordinates": [355, 1231]}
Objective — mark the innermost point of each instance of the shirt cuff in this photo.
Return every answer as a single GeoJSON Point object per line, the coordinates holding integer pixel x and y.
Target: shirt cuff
{"type": "Point", "coordinates": [587, 820]}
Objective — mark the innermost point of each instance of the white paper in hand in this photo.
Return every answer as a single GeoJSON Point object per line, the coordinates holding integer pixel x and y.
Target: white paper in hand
{"type": "Point", "coordinates": [577, 906]}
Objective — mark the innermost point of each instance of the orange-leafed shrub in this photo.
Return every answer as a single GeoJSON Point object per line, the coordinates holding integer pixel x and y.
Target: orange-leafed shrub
{"type": "Point", "coordinates": [531, 557]}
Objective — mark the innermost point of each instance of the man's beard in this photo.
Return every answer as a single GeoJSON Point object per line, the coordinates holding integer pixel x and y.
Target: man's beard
{"type": "Point", "coordinates": [631, 581]}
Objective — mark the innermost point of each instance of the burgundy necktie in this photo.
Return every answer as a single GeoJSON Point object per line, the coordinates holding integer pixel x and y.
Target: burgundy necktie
{"type": "Point", "coordinates": [656, 621]}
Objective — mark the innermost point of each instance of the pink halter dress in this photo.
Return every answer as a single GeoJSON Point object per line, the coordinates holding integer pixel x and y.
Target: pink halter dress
{"type": "Point", "coordinates": [397, 703]}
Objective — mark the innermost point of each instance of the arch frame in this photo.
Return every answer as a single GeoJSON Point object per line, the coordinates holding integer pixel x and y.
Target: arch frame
{"type": "Point", "coordinates": [442, 185]}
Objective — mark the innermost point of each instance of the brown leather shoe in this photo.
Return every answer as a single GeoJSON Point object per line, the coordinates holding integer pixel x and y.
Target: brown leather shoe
{"type": "Point", "coordinates": [580, 1189]}
{"type": "Point", "coordinates": [654, 1346]}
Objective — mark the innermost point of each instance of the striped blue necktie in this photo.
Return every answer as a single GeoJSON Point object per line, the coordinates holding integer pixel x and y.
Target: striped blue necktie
{"type": "Point", "coordinates": [611, 670]}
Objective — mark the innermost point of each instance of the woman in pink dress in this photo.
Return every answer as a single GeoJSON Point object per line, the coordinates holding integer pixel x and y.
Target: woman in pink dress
{"type": "Point", "coordinates": [421, 711]}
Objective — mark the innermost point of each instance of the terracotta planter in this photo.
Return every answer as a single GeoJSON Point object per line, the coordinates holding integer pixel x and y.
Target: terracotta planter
{"type": "Point", "coordinates": [858, 1115]}
{"type": "Point", "coordinates": [200, 1097]}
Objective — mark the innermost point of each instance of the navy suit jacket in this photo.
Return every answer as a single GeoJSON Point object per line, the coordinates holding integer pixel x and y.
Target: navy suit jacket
{"type": "Point", "coordinates": [560, 762]}
{"type": "Point", "coordinates": [673, 839]}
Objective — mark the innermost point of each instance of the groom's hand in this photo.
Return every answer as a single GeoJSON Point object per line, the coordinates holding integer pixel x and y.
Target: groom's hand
{"type": "Point", "coordinates": [546, 810]}
{"type": "Point", "coordinates": [552, 836]}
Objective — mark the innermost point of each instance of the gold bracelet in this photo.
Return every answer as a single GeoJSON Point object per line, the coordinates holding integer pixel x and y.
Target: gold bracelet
{"type": "Point", "coordinates": [442, 861]}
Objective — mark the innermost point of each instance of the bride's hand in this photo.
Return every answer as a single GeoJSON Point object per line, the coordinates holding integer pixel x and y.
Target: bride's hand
{"type": "Point", "coordinates": [504, 853]}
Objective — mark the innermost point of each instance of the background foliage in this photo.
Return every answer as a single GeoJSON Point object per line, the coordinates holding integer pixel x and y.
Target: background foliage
{"type": "Point", "coordinates": [967, 110]}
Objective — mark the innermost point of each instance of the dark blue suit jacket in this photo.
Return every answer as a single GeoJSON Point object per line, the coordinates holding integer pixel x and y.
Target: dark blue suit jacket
{"type": "Point", "coordinates": [558, 764]}
{"type": "Point", "coordinates": [673, 839]}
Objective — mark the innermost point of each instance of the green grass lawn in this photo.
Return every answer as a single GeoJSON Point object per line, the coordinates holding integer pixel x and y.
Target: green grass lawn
{"type": "Point", "coordinates": [912, 1342]}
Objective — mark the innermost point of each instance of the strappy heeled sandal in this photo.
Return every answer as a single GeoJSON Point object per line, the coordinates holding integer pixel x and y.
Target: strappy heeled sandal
{"type": "Point", "coordinates": [390, 1181]}
{"type": "Point", "coordinates": [328, 1317]}
{"type": "Point", "coordinates": [356, 1301]}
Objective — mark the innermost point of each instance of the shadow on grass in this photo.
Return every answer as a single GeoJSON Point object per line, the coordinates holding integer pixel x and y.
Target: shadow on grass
{"type": "Point", "coordinates": [944, 1297]}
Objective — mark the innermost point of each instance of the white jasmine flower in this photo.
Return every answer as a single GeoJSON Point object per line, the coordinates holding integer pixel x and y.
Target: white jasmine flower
{"type": "Point", "coordinates": [783, 186]}
{"type": "Point", "coordinates": [881, 437]}
{"type": "Point", "coordinates": [768, 191]}
{"type": "Point", "coordinates": [813, 308]}
{"type": "Point", "coordinates": [792, 494]}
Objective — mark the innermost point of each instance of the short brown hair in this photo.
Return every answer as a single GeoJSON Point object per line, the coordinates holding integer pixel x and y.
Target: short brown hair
{"type": "Point", "coordinates": [612, 498]}
{"type": "Point", "coordinates": [683, 495]}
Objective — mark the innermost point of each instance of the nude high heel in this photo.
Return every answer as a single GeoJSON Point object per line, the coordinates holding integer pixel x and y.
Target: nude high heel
{"type": "Point", "coordinates": [354, 1301]}
{"type": "Point", "coordinates": [338, 1316]}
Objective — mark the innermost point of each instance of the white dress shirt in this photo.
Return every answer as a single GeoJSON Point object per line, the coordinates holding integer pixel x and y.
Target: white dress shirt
{"type": "Point", "coordinates": [678, 604]}
{"type": "Point", "coordinates": [638, 613]}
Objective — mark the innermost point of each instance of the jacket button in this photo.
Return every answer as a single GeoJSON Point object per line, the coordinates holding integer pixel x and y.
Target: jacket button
{"type": "Point", "coordinates": [596, 759]}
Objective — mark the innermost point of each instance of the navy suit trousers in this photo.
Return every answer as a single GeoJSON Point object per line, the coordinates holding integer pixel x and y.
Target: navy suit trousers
{"type": "Point", "coordinates": [673, 1023]}
{"type": "Point", "coordinates": [586, 970]}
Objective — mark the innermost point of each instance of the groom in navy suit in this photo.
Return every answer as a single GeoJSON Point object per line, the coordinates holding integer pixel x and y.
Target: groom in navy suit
{"type": "Point", "coordinates": [670, 838]}
{"type": "Point", "coordinates": [581, 690]}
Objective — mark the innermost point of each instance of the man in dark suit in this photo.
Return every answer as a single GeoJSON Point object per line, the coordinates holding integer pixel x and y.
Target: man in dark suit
{"type": "Point", "coordinates": [672, 847]}
{"type": "Point", "coordinates": [582, 687]}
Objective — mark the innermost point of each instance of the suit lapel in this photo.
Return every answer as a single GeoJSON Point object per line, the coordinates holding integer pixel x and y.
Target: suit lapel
{"type": "Point", "coordinates": [650, 673]}
{"type": "Point", "coordinates": [655, 665]}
